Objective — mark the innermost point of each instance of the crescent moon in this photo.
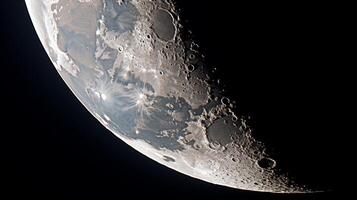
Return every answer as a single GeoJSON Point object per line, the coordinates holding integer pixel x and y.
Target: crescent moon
{"type": "Point", "coordinates": [129, 64]}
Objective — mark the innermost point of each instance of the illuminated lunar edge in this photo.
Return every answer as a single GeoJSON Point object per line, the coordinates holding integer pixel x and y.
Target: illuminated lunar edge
{"type": "Point", "coordinates": [130, 68]}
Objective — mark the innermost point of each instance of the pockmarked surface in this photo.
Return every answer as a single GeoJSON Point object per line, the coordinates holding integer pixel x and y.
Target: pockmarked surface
{"type": "Point", "coordinates": [130, 66]}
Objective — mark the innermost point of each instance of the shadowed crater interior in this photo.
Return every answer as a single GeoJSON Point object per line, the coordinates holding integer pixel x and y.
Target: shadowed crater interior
{"type": "Point", "coordinates": [266, 163]}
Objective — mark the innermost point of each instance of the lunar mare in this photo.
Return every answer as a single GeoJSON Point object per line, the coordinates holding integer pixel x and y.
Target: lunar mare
{"type": "Point", "coordinates": [127, 63]}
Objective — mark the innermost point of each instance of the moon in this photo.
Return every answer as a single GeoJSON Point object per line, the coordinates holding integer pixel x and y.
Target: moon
{"type": "Point", "coordinates": [134, 66]}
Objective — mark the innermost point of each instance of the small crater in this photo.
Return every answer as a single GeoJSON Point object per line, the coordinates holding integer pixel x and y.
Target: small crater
{"type": "Point", "coordinates": [225, 101]}
{"type": "Point", "coordinates": [197, 146]}
{"type": "Point", "coordinates": [235, 159]}
{"type": "Point", "coordinates": [191, 68]}
{"type": "Point", "coordinates": [168, 159]}
{"type": "Point", "coordinates": [266, 163]}
{"type": "Point", "coordinates": [256, 152]}
{"type": "Point", "coordinates": [216, 146]}
{"type": "Point", "coordinates": [120, 49]}
{"type": "Point", "coordinates": [192, 56]}
{"type": "Point", "coordinates": [234, 118]}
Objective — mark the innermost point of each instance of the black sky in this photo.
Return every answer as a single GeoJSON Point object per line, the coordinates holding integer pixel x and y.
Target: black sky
{"type": "Point", "coordinates": [53, 148]}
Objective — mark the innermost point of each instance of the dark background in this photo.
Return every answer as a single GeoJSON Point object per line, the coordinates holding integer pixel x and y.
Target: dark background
{"type": "Point", "coordinates": [286, 65]}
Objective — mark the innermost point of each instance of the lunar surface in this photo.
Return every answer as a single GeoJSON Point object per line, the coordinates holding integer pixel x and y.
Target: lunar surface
{"type": "Point", "coordinates": [129, 64]}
